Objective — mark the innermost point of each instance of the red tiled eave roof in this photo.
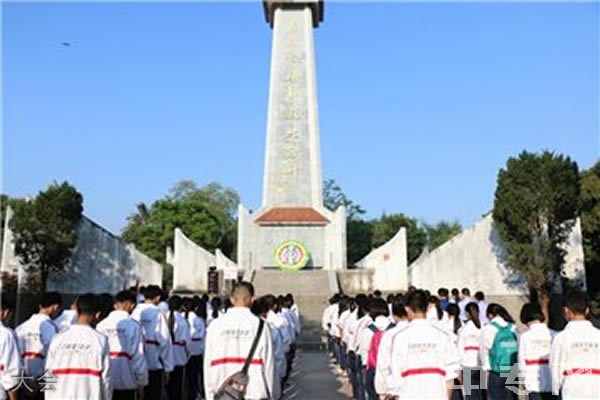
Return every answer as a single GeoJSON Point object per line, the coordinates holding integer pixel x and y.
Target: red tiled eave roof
{"type": "Point", "coordinates": [292, 215]}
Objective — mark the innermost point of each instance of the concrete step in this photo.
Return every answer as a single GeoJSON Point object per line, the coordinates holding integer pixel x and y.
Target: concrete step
{"type": "Point", "coordinates": [311, 291]}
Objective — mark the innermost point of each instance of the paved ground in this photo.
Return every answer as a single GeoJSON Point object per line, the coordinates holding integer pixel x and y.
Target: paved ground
{"type": "Point", "coordinates": [313, 379]}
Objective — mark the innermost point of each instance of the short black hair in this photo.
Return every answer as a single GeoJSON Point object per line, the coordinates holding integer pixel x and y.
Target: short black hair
{"type": "Point", "coordinates": [442, 292]}
{"type": "Point", "coordinates": [377, 293]}
{"type": "Point", "coordinates": [7, 302]}
{"type": "Point", "coordinates": [259, 306]}
{"type": "Point", "coordinates": [531, 312]}
{"type": "Point", "coordinates": [125, 296]}
{"type": "Point", "coordinates": [398, 308]}
{"type": "Point", "coordinates": [88, 304]}
{"type": "Point", "coordinates": [243, 286]}
{"type": "Point", "coordinates": [49, 299]}
{"type": "Point", "coordinates": [152, 291]}
{"type": "Point", "coordinates": [466, 291]}
{"type": "Point", "coordinates": [577, 302]}
{"type": "Point", "coordinates": [479, 296]}
{"type": "Point", "coordinates": [378, 307]}
{"type": "Point", "coordinates": [417, 301]}
{"type": "Point", "coordinates": [455, 292]}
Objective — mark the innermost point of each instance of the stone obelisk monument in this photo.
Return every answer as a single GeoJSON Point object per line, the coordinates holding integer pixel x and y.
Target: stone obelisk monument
{"type": "Point", "coordinates": [292, 230]}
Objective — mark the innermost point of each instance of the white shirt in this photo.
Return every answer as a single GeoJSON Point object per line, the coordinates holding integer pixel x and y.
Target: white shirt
{"type": "Point", "coordinates": [334, 329]}
{"type": "Point", "coordinates": [483, 312]}
{"type": "Point", "coordinates": [326, 319]}
{"type": "Point", "coordinates": [10, 361]}
{"type": "Point", "coordinates": [65, 319]}
{"type": "Point", "coordinates": [350, 328]}
{"type": "Point", "coordinates": [469, 345]}
{"type": "Point", "coordinates": [158, 348]}
{"type": "Point", "coordinates": [462, 306]}
{"type": "Point", "coordinates": [282, 325]}
{"type": "Point", "coordinates": [79, 358]}
{"type": "Point", "coordinates": [180, 337]}
{"type": "Point", "coordinates": [33, 337]}
{"type": "Point", "coordinates": [228, 341]}
{"type": "Point", "coordinates": [534, 355]}
{"type": "Point", "coordinates": [423, 359]}
{"type": "Point", "coordinates": [360, 325]}
{"type": "Point", "coordinates": [366, 335]}
{"type": "Point", "coordinates": [575, 361]}
{"type": "Point", "coordinates": [383, 372]}
{"type": "Point", "coordinates": [197, 334]}
{"type": "Point", "coordinates": [293, 323]}
{"type": "Point", "coordinates": [341, 322]}
{"type": "Point", "coordinates": [126, 344]}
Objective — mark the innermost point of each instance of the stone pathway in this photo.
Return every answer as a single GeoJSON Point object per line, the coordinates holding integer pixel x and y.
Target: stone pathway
{"type": "Point", "coordinates": [313, 379]}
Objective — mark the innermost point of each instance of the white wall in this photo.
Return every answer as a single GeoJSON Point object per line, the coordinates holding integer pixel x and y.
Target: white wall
{"type": "Point", "coordinates": [388, 263]}
{"type": "Point", "coordinates": [101, 262]}
{"type": "Point", "coordinates": [190, 264]}
{"type": "Point", "coordinates": [475, 259]}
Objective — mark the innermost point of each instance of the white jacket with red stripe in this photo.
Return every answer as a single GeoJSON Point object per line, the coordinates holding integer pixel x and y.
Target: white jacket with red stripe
{"type": "Point", "coordinates": [79, 359]}
{"type": "Point", "coordinates": [228, 342]}
{"type": "Point", "coordinates": [197, 334]}
{"type": "Point", "coordinates": [33, 337]}
{"type": "Point", "coordinates": [158, 348]}
{"type": "Point", "coordinates": [534, 358]}
{"type": "Point", "coordinates": [575, 361]}
{"type": "Point", "coordinates": [126, 343]}
{"type": "Point", "coordinates": [469, 345]}
{"type": "Point", "coordinates": [10, 361]}
{"type": "Point", "coordinates": [383, 372]}
{"type": "Point", "coordinates": [423, 359]}
{"type": "Point", "coordinates": [180, 337]}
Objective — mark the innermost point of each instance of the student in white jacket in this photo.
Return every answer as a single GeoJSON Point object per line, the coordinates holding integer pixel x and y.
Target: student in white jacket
{"type": "Point", "coordinates": [79, 358]}
{"type": "Point", "coordinates": [500, 384]}
{"type": "Point", "coordinates": [260, 308]}
{"type": "Point", "coordinates": [10, 360]}
{"type": "Point", "coordinates": [535, 345]}
{"type": "Point", "coordinates": [129, 371]}
{"type": "Point", "coordinates": [383, 372]}
{"type": "Point", "coordinates": [575, 355]}
{"type": "Point", "coordinates": [34, 336]}
{"type": "Point", "coordinates": [469, 348]}
{"type": "Point", "coordinates": [195, 314]}
{"type": "Point", "coordinates": [228, 342]}
{"type": "Point", "coordinates": [181, 339]}
{"type": "Point", "coordinates": [424, 360]}
{"type": "Point", "coordinates": [158, 348]}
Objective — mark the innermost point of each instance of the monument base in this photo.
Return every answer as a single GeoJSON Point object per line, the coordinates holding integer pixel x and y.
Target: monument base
{"type": "Point", "coordinates": [320, 232]}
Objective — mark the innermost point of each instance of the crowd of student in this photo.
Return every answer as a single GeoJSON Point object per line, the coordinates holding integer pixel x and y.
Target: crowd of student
{"type": "Point", "coordinates": [420, 346]}
{"type": "Point", "coordinates": [140, 344]}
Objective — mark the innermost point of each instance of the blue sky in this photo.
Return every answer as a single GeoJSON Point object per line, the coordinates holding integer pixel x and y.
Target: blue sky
{"type": "Point", "coordinates": [420, 104]}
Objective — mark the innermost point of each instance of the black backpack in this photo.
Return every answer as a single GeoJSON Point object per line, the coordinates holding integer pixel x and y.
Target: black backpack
{"type": "Point", "coordinates": [234, 387]}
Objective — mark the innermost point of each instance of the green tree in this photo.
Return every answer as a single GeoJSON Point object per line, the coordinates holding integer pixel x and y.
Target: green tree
{"type": "Point", "coordinates": [387, 226]}
{"type": "Point", "coordinates": [358, 231]}
{"type": "Point", "coordinates": [590, 225]}
{"type": "Point", "coordinates": [359, 235]}
{"type": "Point", "coordinates": [45, 229]}
{"type": "Point", "coordinates": [206, 215]}
{"type": "Point", "coordinates": [440, 233]}
{"type": "Point", "coordinates": [334, 197]}
{"type": "Point", "coordinates": [535, 208]}
{"type": "Point", "coordinates": [4, 201]}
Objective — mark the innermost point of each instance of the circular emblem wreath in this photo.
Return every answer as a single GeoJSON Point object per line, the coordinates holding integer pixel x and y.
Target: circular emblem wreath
{"type": "Point", "coordinates": [291, 255]}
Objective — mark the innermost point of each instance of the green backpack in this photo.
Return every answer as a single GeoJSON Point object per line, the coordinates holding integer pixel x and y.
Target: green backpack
{"type": "Point", "coordinates": [503, 354]}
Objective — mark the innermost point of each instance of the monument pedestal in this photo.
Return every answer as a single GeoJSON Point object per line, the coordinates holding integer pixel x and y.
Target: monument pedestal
{"type": "Point", "coordinates": [321, 233]}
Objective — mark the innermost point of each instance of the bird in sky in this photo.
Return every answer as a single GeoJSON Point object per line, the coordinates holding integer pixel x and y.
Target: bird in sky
{"type": "Point", "coordinates": [66, 44]}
